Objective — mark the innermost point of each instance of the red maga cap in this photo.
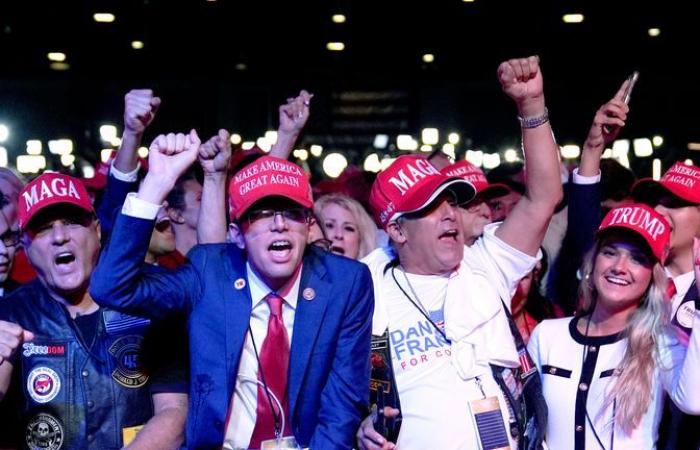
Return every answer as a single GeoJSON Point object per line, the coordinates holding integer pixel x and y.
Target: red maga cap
{"type": "Point", "coordinates": [682, 180]}
{"type": "Point", "coordinates": [267, 177]}
{"type": "Point", "coordinates": [474, 175]}
{"type": "Point", "coordinates": [410, 184]}
{"type": "Point", "coordinates": [644, 221]}
{"type": "Point", "coordinates": [51, 189]}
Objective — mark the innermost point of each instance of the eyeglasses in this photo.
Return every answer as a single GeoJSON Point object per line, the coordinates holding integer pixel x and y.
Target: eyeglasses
{"type": "Point", "coordinates": [10, 238]}
{"type": "Point", "coordinates": [299, 215]}
{"type": "Point", "coordinates": [323, 243]}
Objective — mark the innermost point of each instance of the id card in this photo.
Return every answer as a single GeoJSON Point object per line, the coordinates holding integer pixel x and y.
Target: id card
{"type": "Point", "coordinates": [129, 434]}
{"type": "Point", "coordinates": [284, 443]}
{"type": "Point", "coordinates": [488, 422]}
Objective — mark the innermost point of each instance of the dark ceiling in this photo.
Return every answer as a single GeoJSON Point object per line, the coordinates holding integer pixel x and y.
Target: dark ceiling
{"type": "Point", "coordinates": [230, 63]}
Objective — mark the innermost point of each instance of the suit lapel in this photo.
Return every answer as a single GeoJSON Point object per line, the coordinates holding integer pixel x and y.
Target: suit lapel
{"type": "Point", "coordinates": [307, 321]}
{"type": "Point", "coordinates": [237, 304]}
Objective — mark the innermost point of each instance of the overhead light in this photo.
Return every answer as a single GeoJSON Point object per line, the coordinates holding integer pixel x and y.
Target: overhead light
{"type": "Point", "coordinates": [61, 146]}
{"type": "Point", "coordinates": [338, 18]}
{"type": "Point", "coordinates": [620, 147]}
{"type": "Point", "coordinates": [406, 142]}
{"type": "Point", "coordinates": [264, 144]}
{"type": "Point", "coordinates": [372, 163]}
{"type": "Point", "coordinates": [56, 56]}
{"type": "Point", "coordinates": [59, 66]}
{"type": "Point", "coordinates": [607, 153]}
{"type": "Point", "coordinates": [115, 142]}
{"type": "Point", "coordinates": [642, 147]}
{"type": "Point", "coordinates": [430, 136]}
{"type": "Point", "coordinates": [247, 145]}
{"type": "Point", "coordinates": [656, 169]}
{"type": "Point", "coordinates": [4, 132]}
{"type": "Point", "coordinates": [316, 150]}
{"type": "Point", "coordinates": [3, 157]}
{"type": "Point", "coordinates": [105, 154]}
{"type": "Point", "coordinates": [654, 32]}
{"type": "Point", "coordinates": [453, 138]}
{"type": "Point", "coordinates": [301, 154]}
{"type": "Point", "coordinates": [475, 157]}
{"type": "Point", "coordinates": [658, 141]}
{"type": "Point", "coordinates": [510, 155]}
{"type": "Point", "coordinates": [30, 163]}
{"type": "Point", "coordinates": [426, 148]}
{"type": "Point", "coordinates": [137, 45]}
{"type": "Point", "coordinates": [381, 141]}
{"type": "Point", "coordinates": [572, 18]}
{"type": "Point", "coordinates": [449, 150]}
{"type": "Point", "coordinates": [67, 160]}
{"type": "Point", "coordinates": [468, 1]}
{"type": "Point", "coordinates": [88, 171]}
{"type": "Point", "coordinates": [334, 164]}
{"type": "Point", "coordinates": [108, 132]}
{"type": "Point", "coordinates": [688, 162]}
{"type": "Point", "coordinates": [570, 151]}
{"type": "Point", "coordinates": [236, 138]}
{"type": "Point", "coordinates": [103, 17]}
{"type": "Point", "coordinates": [271, 136]}
{"type": "Point", "coordinates": [143, 152]}
{"type": "Point", "coordinates": [335, 46]}
{"type": "Point", "coordinates": [241, 66]}
{"type": "Point", "coordinates": [34, 147]}
{"type": "Point", "coordinates": [428, 58]}
{"type": "Point", "coordinates": [491, 160]}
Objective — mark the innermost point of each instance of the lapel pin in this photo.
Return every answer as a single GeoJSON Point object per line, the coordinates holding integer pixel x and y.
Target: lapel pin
{"type": "Point", "coordinates": [309, 294]}
{"type": "Point", "coordinates": [239, 284]}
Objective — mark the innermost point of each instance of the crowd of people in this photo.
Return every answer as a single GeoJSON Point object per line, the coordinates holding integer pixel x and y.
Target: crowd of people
{"type": "Point", "coordinates": [210, 297]}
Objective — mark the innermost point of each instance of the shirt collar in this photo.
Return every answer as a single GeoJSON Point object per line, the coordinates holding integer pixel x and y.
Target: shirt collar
{"type": "Point", "coordinates": [682, 281]}
{"type": "Point", "coordinates": [259, 290]}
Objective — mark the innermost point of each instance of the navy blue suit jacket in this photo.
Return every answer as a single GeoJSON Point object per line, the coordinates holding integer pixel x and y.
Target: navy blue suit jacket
{"type": "Point", "coordinates": [329, 360]}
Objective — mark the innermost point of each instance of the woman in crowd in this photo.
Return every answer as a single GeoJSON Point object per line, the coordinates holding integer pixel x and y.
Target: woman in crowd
{"type": "Point", "coordinates": [604, 371]}
{"type": "Point", "coordinates": [347, 225]}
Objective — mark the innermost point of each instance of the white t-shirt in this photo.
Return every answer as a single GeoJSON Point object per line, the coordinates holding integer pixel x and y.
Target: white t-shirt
{"type": "Point", "coordinates": [434, 399]}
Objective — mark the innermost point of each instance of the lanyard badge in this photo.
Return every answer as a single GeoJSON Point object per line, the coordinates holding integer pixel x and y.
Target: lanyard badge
{"type": "Point", "coordinates": [488, 422]}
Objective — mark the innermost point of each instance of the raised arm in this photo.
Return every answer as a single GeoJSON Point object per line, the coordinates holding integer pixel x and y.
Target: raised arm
{"type": "Point", "coordinates": [521, 80]}
{"type": "Point", "coordinates": [607, 123]}
{"type": "Point", "coordinates": [293, 117]}
{"type": "Point", "coordinates": [119, 280]}
{"type": "Point", "coordinates": [140, 107]}
{"type": "Point", "coordinates": [214, 156]}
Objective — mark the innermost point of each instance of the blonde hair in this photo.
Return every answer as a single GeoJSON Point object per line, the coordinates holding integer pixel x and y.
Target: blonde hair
{"type": "Point", "coordinates": [366, 228]}
{"type": "Point", "coordinates": [632, 390]}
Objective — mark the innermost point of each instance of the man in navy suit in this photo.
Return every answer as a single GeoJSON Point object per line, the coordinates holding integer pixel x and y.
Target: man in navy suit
{"type": "Point", "coordinates": [279, 332]}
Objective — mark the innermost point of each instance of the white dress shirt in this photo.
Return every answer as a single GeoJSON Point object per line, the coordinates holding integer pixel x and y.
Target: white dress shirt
{"type": "Point", "coordinates": [244, 402]}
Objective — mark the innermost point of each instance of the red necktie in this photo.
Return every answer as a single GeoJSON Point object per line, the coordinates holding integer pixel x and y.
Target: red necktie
{"type": "Point", "coordinates": [274, 366]}
{"type": "Point", "coordinates": [670, 289]}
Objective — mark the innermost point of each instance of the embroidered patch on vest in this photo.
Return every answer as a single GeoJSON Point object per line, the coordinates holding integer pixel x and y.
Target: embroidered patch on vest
{"type": "Point", "coordinates": [44, 432]}
{"type": "Point", "coordinates": [43, 384]}
{"type": "Point", "coordinates": [30, 349]}
{"type": "Point", "coordinates": [126, 351]}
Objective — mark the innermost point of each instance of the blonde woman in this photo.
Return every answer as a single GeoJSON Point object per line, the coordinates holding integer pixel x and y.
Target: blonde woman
{"type": "Point", "coordinates": [605, 372]}
{"type": "Point", "coordinates": [346, 223]}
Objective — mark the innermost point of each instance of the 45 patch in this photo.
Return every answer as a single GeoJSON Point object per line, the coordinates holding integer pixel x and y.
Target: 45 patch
{"type": "Point", "coordinates": [127, 353]}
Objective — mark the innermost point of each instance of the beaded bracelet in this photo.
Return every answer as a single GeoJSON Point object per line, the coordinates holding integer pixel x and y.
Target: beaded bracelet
{"type": "Point", "coordinates": [534, 122]}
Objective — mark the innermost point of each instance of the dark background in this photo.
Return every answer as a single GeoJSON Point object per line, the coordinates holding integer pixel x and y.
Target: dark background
{"type": "Point", "coordinates": [231, 63]}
